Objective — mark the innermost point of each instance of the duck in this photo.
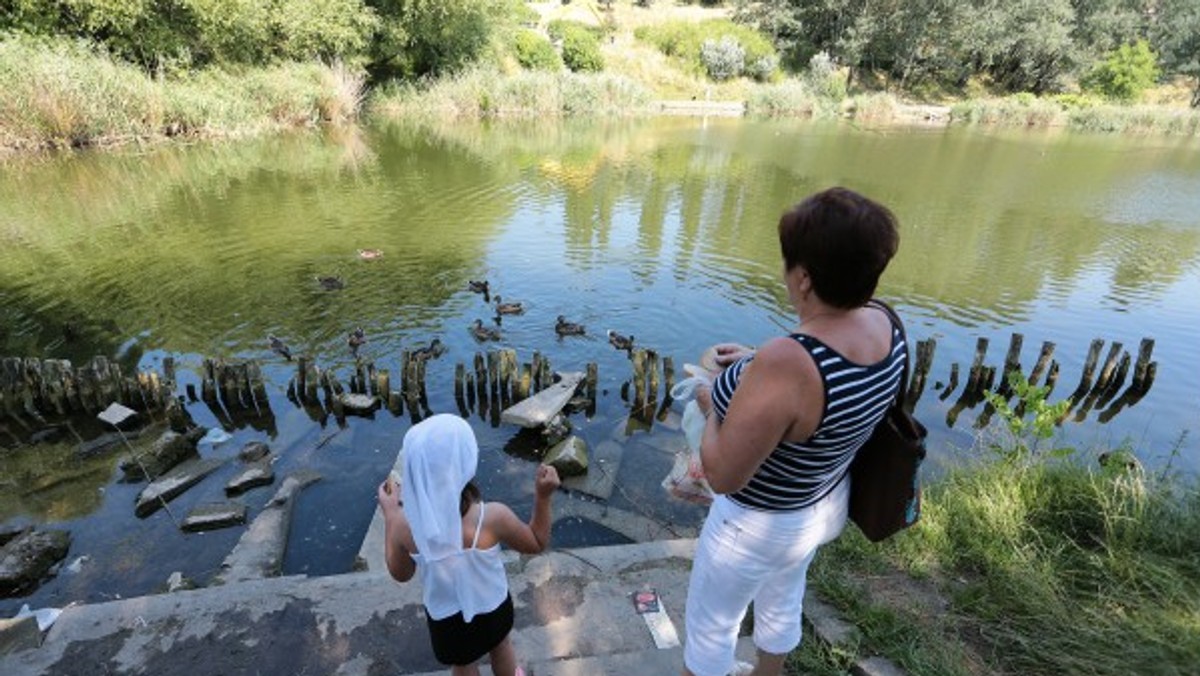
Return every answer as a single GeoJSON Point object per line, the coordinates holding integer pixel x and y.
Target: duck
{"type": "Point", "coordinates": [370, 254]}
{"type": "Point", "coordinates": [477, 286]}
{"type": "Point", "coordinates": [330, 283]}
{"type": "Point", "coordinates": [483, 333]}
{"type": "Point", "coordinates": [279, 347]}
{"type": "Point", "coordinates": [356, 339]}
{"type": "Point", "coordinates": [513, 308]}
{"type": "Point", "coordinates": [565, 328]}
{"type": "Point", "coordinates": [431, 351]}
{"type": "Point", "coordinates": [620, 342]}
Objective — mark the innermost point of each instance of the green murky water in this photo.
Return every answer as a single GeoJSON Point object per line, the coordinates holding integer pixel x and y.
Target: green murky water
{"type": "Point", "coordinates": [659, 228]}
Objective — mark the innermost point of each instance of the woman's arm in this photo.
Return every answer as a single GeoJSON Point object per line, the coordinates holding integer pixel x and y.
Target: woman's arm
{"type": "Point", "coordinates": [400, 563]}
{"type": "Point", "coordinates": [534, 537]}
{"type": "Point", "coordinates": [779, 395]}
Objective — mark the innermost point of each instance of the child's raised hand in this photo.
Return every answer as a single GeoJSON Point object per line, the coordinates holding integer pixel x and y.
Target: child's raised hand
{"type": "Point", "coordinates": [546, 481]}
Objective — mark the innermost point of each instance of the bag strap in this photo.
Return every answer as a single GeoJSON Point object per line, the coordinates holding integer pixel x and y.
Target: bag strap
{"type": "Point", "coordinates": [896, 322]}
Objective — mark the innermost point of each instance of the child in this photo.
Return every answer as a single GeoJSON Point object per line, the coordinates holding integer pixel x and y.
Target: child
{"type": "Point", "coordinates": [442, 528]}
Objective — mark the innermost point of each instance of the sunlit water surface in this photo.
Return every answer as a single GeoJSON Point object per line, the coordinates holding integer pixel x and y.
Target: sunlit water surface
{"type": "Point", "coordinates": [664, 229]}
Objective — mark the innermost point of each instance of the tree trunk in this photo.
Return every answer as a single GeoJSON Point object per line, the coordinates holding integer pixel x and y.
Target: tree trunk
{"type": "Point", "coordinates": [1196, 94]}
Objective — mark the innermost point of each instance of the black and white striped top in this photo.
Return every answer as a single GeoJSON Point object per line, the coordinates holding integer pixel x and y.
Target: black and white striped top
{"type": "Point", "coordinates": [796, 475]}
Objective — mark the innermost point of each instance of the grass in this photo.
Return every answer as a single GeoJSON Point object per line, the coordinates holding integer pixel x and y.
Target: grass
{"type": "Point", "coordinates": [1077, 114]}
{"type": "Point", "coordinates": [59, 93]}
{"type": "Point", "coordinates": [1032, 566]}
{"type": "Point", "coordinates": [486, 94]}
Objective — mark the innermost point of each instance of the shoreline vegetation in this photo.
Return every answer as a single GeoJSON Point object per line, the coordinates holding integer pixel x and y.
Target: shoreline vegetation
{"type": "Point", "coordinates": [541, 60]}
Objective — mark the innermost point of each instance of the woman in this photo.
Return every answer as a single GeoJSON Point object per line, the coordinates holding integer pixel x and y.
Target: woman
{"type": "Point", "coordinates": [442, 528]}
{"type": "Point", "coordinates": [789, 419]}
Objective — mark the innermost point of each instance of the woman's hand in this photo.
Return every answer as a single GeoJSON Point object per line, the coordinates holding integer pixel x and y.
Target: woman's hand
{"type": "Point", "coordinates": [728, 353]}
{"type": "Point", "coordinates": [546, 481]}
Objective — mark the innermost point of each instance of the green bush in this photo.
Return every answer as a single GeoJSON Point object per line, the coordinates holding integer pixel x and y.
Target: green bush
{"type": "Point", "coordinates": [197, 32]}
{"type": "Point", "coordinates": [580, 45]}
{"type": "Point", "coordinates": [1125, 74]}
{"type": "Point", "coordinates": [685, 40]}
{"type": "Point", "coordinates": [535, 52]}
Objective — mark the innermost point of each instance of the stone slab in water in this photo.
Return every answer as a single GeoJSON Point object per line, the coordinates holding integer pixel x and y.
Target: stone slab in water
{"type": "Point", "coordinates": [602, 471]}
{"type": "Point", "coordinates": [569, 457]}
{"type": "Point", "coordinates": [19, 634]}
{"type": "Point", "coordinates": [102, 444]}
{"type": "Point", "coordinates": [214, 516]}
{"type": "Point", "coordinates": [166, 452]}
{"type": "Point", "coordinates": [254, 450]}
{"type": "Point", "coordinates": [172, 484]}
{"type": "Point", "coordinates": [27, 558]}
{"type": "Point", "coordinates": [543, 406]}
{"type": "Point", "coordinates": [259, 552]}
{"type": "Point", "coordinates": [360, 404]}
{"type": "Point", "coordinates": [260, 473]}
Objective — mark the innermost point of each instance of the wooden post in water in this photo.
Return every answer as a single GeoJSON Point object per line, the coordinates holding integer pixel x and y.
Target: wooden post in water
{"type": "Point", "coordinates": [208, 387]}
{"type": "Point", "coordinates": [1142, 367]}
{"type": "Point", "coordinates": [460, 385]}
{"type": "Point", "coordinates": [1116, 382]}
{"type": "Point", "coordinates": [952, 384]}
{"type": "Point", "coordinates": [1012, 364]}
{"type": "Point", "coordinates": [382, 386]}
{"type": "Point", "coordinates": [976, 373]}
{"type": "Point", "coordinates": [301, 377]}
{"type": "Point", "coordinates": [916, 385]}
{"type": "Point", "coordinates": [480, 371]}
{"type": "Point", "coordinates": [1102, 381]}
{"type": "Point", "coordinates": [311, 379]}
{"type": "Point", "coordinates": [639, 379]}
{"type": "Point", "coordinates": [547, 377]}
{"type": "Point", "coordinates": [1085, 380]}
{"type": "Point", "coordinates": [525, 382]}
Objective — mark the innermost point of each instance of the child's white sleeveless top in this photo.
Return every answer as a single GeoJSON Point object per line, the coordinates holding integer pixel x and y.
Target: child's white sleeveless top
{"type": "Point", "coordinates": [471, 581]}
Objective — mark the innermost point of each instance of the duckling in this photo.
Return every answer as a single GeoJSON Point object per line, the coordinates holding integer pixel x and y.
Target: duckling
{"type": "Point", "coordinates": [279, 347]}
{"type": "Point", "coordinates": [370, 254]}
{"type": "Point", "coordinates": [330, 283]}
{"type": "Point", "coordinates": [620, 342]}
{"type": "Point", "coordinates": [477, 286]}
{"type": "Point", "coordinates": [431, 351]}
{"type": "Point", "coordinates": [565, 328]}
{"type": "Point", "coordinates": [356, 339]}
{"type": "Point", "coordinates": [513, 308]}
{"type": "Point", "coordinates": [483, 333]}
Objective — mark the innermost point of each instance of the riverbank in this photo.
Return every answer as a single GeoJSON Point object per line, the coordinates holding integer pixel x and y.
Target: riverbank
{"type": "Point", "coordinates": [64, 95]}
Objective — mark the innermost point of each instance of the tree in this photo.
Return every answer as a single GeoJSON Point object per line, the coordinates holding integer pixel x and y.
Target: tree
{"type": "Point", "coordinates": [1126, 73]}
{"type": "Point", "coordinates": [1175, 32]}
{"type": "Point", "coordinates": [424, 37]}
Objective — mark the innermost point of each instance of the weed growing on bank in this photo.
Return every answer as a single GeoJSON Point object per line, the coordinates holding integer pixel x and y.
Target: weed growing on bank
{"type": "Point", "coordinates": [484, 94]}
{"type": "Point", "coordinates": [60, 93]}
{"type": "Point", "coordinates": [1031, 561]}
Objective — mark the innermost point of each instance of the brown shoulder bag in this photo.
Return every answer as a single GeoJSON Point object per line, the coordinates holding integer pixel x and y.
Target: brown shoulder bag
{"type": "Point", "coordinates": [885, 489]}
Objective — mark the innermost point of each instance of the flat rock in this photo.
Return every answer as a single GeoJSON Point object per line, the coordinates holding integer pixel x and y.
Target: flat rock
{"type": "Point", "coordinates": [172, 484]}
{"type": "Point", "coordinates": [569, 457]}
{"type": "Point", "coordinates": [27, 558]}
{"type": "Point", "coordinates": [543, 406]}
{"type": "Point", "coordinates": [213, 516]}
{"type": "Point", "coordinates": [259, 552]}
{"type": "Point", "coordinates": [602, 471]}
{"type": "Point", "coordinates": [260, 473]}
{"type": "Point", "coordinates": [358, 404]}
{"type": "Point", "coordinates": [254, 450]}
{"type": "Point", "coordinates": [19, 634]}
{"type": "Point", "coordinates": [166, 452]}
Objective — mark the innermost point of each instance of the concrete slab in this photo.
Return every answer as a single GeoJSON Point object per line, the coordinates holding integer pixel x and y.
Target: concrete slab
{"type": "Point", "coordinates": [541, 407]}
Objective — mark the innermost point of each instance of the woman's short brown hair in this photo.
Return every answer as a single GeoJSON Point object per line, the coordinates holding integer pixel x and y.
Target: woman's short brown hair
{"type": "Point", "coordinates": [843, 240]}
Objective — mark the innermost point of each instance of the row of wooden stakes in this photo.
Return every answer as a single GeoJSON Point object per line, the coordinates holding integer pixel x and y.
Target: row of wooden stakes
{"type": "Point", "coordinates": [33, 389]}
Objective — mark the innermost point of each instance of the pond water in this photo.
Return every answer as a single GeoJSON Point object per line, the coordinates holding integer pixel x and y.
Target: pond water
{"type": "Point", "coordinates": [663, 229]}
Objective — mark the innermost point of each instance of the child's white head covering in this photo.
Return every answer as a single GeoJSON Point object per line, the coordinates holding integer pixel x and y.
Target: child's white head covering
{"type": "Point", "coordinates": [440, 457]}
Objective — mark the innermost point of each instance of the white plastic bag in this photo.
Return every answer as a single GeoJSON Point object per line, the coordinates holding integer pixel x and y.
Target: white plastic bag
{"type": "Point", "coordinates": [686, 478]}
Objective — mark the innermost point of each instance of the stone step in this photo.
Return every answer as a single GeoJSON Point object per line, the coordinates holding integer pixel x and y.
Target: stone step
{"type": "Point", "coordinates": [666, 662]}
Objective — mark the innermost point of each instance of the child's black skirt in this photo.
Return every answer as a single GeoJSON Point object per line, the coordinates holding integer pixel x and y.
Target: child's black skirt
{"type": "Point", "coordinates": [460, 643]}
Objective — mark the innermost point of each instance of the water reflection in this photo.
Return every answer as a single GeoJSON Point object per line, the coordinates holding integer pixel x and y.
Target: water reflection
{"type": "Point", "coordinates": [660, 228]}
